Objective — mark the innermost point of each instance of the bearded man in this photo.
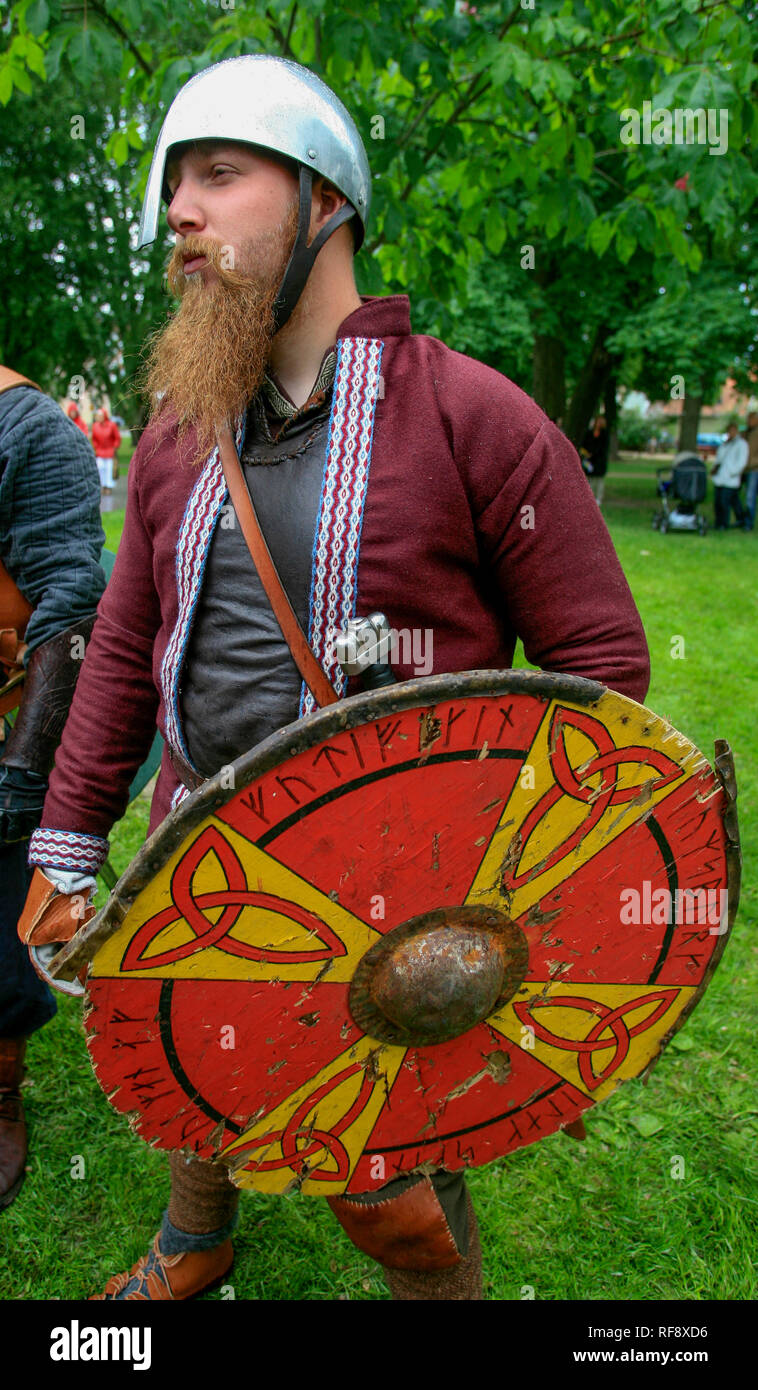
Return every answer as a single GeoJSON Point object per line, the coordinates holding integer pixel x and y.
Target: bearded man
{"type": "Point", "coordinates": [418, 481]}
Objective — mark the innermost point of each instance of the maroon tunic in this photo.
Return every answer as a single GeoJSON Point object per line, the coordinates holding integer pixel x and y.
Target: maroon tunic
{"type": "Point", "coordinates": [478, 524]}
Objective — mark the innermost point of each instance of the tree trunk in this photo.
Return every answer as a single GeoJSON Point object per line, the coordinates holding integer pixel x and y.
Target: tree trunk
{"type": "Point", "coordinates": [611, 415]}
{"type": "Point", "coordinates": [549, 376]}
{"type": "Point", "coordinates": [689, 421]}
{"type": "Point", "coordinates": [589, 389]}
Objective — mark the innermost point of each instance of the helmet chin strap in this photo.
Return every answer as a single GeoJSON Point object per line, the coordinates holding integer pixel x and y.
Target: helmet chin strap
{"type": "Point", "coordinates": [302, 257]}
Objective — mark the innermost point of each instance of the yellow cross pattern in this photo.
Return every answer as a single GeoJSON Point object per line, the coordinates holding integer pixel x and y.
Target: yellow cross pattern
{"type": "Point", "coordinates": [587, 1032]}
{"type": "Point", "coordinates": [315, 1137]}
{"type": "Point", "coordinates": [275, 912]}
{"type": "Point", "coordinates": [508, 851]}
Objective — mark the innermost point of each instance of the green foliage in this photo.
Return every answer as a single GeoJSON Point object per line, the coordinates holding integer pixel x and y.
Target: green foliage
{"type": "Point", "coordinates": [71, 303]}
{"type": "Point", "coordinates": [501, 128]}
{"type": "Point", "coordinates": [633, 431]}
{"type": "Point", "coordinates": [491, 318]}
{"type": "Point", "coordinates": [702, 331]}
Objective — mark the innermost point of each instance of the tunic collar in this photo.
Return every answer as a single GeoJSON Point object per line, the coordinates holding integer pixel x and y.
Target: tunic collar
{"type": "Point", "coordinates": [279, 402]}
{"type": "Point", "coordinates": [379, 316]}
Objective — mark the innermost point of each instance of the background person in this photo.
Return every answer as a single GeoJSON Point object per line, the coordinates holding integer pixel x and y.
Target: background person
{"type": "Point", "coordinates": [73, 413]}
{"type": "Point", "coordinates": [596, 445]}
{"type": "Point", "coordinates": [50, 543]}
{"type": "Point", "coordinates": [106, 438]}
{"type": "Point", "coordinates": [750, 474]}
{"type": "Point", "coordinates": [727, 471]}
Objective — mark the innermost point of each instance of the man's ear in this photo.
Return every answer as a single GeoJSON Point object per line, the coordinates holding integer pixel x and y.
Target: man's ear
{"type": "Point", "coordinates": [326, 200]}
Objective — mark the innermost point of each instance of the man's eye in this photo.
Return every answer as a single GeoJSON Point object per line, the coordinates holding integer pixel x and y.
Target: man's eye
{"type": "Point", "coordinates": [217, 169]}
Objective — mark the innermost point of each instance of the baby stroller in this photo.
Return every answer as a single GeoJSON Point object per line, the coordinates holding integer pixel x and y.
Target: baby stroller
{"type": "Point", "coordinates": [681, 490]}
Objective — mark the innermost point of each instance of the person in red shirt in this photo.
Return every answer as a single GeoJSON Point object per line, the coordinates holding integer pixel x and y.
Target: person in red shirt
{"type": "Point", "coordinates": [73, 414]}
{"type": "Point", "coordinates": [105, 441]}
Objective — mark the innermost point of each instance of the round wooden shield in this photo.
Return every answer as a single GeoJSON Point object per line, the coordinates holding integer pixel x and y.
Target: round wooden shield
{"type": "Point", "coordinates": [424, 926]}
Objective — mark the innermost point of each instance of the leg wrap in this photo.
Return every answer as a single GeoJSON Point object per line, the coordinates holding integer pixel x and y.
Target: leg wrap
{"type": "Point", "coordinates": [462, 1283]}
{"type": "Point", "coordinates": [203, 1197]}
{"type": "Point", "coordinates": [405, 1226]}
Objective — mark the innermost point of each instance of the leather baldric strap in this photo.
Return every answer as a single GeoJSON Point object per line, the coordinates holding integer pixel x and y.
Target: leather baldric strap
{"type": "Point", "coordinates": [186, 774]}
{"type": "Point", "coordinates": [311, 671]}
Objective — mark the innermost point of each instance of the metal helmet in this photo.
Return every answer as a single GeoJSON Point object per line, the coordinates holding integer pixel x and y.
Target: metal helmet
{"type": "Point", "coordinates": [279, 106]}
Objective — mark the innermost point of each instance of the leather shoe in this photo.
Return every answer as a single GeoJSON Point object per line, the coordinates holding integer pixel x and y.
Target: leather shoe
{"type": "Point", "coordinates": [157, 1277]}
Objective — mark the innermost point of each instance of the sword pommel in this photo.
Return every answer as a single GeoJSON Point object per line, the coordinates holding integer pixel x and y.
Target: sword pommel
{"type": "Point", "coordinates": [362, 649]}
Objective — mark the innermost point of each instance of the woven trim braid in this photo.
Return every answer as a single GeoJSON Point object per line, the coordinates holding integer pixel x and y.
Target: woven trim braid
{"type": "Point", "coordinates": [338, 529]}
{"type": "Point", "coordinates": [67, 849]}
{"type": "Point", "coordinates": [195, 534]}
{"type": "Point", "coordinates": [179, 796]}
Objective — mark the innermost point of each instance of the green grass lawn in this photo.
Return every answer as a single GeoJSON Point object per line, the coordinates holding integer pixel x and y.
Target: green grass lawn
{"type": "Point", "coordinates": [566, 1220]}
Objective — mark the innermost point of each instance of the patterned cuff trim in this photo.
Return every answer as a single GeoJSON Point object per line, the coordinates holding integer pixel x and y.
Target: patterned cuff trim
{"type": "Point", "coordinates": [67, 849]}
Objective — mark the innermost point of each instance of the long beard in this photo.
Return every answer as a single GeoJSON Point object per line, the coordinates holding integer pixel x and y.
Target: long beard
{"type": "Point", "coordinates": [204, 366]}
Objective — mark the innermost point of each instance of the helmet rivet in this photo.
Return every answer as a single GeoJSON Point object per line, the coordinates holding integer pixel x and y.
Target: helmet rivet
{"type": "Point", "coordinates": [311, 154]}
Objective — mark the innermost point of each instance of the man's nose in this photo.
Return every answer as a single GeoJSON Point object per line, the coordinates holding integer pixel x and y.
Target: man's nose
{"type": "Point", "coordinates": [185, 214]}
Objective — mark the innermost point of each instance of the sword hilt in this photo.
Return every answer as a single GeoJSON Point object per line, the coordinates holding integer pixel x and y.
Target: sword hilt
{"type": "Point", "coordinates": [362, 650]}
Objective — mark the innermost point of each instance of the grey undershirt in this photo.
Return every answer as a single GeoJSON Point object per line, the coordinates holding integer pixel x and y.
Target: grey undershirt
{"type": "Point", "coordinates": [239, 682]}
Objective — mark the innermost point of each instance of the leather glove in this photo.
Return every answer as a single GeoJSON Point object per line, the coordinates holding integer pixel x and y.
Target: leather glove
{"type": "Point", "coordinates": [22, 796]}
{"type": "Point", "coordinates": [51, 917]}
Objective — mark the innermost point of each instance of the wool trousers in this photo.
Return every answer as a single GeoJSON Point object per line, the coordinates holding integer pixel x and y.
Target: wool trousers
{"type": "Point", "coordinates": [26, 1003]}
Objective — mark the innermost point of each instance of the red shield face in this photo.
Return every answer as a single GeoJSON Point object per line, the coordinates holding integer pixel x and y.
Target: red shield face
{"type": "Point", "coordinates": [426, 926]}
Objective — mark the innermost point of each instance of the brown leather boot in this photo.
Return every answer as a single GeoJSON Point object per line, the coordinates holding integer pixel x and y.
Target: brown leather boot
{"type": "Point", "coordinates": [12, 1122]}
{"type": "Point", "coordinates": [157, 1277]}
{"type": "Point", "coordinates": [462, 1281]}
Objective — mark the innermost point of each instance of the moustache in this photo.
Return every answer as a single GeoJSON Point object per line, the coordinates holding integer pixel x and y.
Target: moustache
{"type": "Point", "coordinates": [222, 259]}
